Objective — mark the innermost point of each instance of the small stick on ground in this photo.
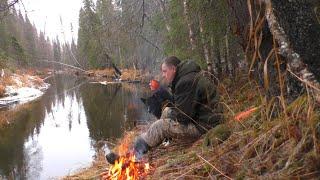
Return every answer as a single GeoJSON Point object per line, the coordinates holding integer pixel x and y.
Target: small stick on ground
{"type": "Point", "coordinates": [214, 167]}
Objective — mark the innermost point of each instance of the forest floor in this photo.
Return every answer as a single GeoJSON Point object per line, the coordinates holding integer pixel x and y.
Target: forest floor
{"type": "Point", "coordinates": [253, 142]}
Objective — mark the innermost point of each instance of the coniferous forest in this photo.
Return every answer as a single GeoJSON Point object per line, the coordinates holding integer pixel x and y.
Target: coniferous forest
{"type": "Point", "coordinates": [262, 56]}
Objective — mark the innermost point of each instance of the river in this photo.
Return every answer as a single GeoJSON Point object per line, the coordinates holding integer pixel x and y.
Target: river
{"type": "Point", "coordinates": [58, 132]}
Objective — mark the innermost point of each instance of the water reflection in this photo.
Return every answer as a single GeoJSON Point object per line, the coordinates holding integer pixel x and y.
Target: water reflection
{"type": "Point", "coordinates": [56, 134]}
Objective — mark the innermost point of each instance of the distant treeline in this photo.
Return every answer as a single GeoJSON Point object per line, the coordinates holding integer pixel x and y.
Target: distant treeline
{"type": "Point", "coordinates": [21, 45]}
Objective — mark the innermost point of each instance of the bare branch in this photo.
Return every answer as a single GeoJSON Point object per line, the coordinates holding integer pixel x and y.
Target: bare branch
{"type": "Point", "coordinates": [151, 43]}
{"type": "Point", "coordinates": [8, 6]}
{"type": "Point", "coordinates": [143, 14]}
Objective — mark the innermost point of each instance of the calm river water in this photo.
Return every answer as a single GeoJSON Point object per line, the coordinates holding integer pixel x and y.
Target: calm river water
{"type": "Point", "coordinates": [57, 134]}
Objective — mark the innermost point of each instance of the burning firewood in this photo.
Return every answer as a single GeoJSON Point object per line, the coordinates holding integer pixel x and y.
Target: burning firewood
{"type": "Point", "coordinates": [126, 167]}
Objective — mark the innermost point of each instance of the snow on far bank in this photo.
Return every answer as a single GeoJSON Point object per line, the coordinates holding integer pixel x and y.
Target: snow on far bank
{"type": "Point", "coordinates": [23, 89]}
{"type": "Point", "coordinates": [106, 82]}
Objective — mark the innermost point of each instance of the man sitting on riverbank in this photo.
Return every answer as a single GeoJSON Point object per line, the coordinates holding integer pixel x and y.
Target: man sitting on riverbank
{"type": "Point", "coordinates": [195, 106]}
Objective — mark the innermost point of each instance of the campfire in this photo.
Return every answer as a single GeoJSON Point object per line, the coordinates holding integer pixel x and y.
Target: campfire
{"type": "Point", "coordinates": [127, 167]}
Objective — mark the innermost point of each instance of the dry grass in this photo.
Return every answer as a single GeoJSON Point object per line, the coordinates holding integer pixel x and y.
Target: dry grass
{"type": "Point", "coordinates": [6, 80]}
{"type": "Point", "coordinates": [131, 74]}
{"type": "Point", "coordinates": [127, 75]}
{"type": "Point", "coordinates": [27, 78]}
{"type": "Point", "coordinates": [2, 90]}
{"type": "Point", "coordinates": [260, 146]}
{"type": "Point", "coordinates": [102, 73]}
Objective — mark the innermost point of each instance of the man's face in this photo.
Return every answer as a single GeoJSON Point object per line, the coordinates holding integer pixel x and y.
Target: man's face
{"type": "Point", "coordinates": [168, 72]}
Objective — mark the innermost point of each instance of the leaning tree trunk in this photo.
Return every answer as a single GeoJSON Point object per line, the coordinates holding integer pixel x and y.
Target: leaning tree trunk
{"type": "Point", "coordinates": [264, 25]}
{"type": "Point", "coordinates": [294, 25]}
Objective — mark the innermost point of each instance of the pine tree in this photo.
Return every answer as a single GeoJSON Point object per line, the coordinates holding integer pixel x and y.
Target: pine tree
{"type": "Point", "coordinates": [89, 42]}
{"type": "Point", "coordinates": [30, 38]}
{"type": "Point", "coordinates": [20, 42]}
{"type": "Point", "coordinates": [56, 51]}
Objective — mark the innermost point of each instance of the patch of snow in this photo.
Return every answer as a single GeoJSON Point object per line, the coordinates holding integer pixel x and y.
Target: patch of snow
{"type": "Point", "coordinates": [22, 95]}
{"type": "Point", "coordinates": [106, 82]}
{"type": "Point", "coordinates": [44, 87]}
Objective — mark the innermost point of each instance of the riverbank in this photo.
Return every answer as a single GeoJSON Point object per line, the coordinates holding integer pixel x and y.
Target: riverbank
{"type": "Point", "coordinates": [18, 88]}
{"type": "Point", "coordinates": [107, 75]}
{"type": "Point", "coordinates": [259, 145]}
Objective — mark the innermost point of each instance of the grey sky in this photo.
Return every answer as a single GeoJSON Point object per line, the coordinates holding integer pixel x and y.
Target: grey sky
{"type": "Point", "coordinates": [46, 16]}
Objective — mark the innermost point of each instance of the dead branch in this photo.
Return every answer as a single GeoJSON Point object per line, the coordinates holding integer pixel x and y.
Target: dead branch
{"type": "Point", "coordinates": [223, 174]}
{"type": "Point", "coordinates": [8, 6]}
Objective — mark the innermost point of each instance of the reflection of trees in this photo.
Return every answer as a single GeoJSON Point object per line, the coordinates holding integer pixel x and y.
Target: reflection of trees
{"type": "Point", "coordinates": [103, 112]}
{"type": "Point", "coordinates": [108, 107]}
{"type": "Point", "coordinates": [62, 85]}
{"type": "Point", "coordinates": [14, 160]}
{"type": "Point", "coordinates": [11, 153]}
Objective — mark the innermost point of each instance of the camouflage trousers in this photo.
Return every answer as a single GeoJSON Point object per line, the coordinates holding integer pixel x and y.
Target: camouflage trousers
{"type": "Point", "coordinates": [166, 127]}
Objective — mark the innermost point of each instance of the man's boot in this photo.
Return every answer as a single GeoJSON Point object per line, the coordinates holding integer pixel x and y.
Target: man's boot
{"type": "Point", "coordinates": [140, 147]}
{"type": "Point", "coordinates": [112, 157]}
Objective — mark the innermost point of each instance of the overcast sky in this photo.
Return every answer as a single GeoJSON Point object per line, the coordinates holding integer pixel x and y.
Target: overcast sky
{"type": "Point", "coordinates": [46, 16]}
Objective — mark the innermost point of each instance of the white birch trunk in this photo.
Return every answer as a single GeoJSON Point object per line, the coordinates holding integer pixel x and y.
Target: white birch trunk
{"type": "Point", "coordinates": [205, 47]}
{"type": "Point", "coordinates": [186, 8]}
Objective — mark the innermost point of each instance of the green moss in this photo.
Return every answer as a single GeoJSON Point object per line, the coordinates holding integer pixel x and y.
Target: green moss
{"type": "Point", "coordinates": [217, 135]}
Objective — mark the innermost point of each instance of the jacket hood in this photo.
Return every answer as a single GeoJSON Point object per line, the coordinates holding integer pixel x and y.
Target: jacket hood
{"type": "Point", "coordinates": [185, 68]}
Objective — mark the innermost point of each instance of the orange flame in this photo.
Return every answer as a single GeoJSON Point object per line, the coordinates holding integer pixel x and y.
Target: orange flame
{"type": "Point", "coordinates": [123, 147]}
{"type": "Point", "coordinates": [127, 168]}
